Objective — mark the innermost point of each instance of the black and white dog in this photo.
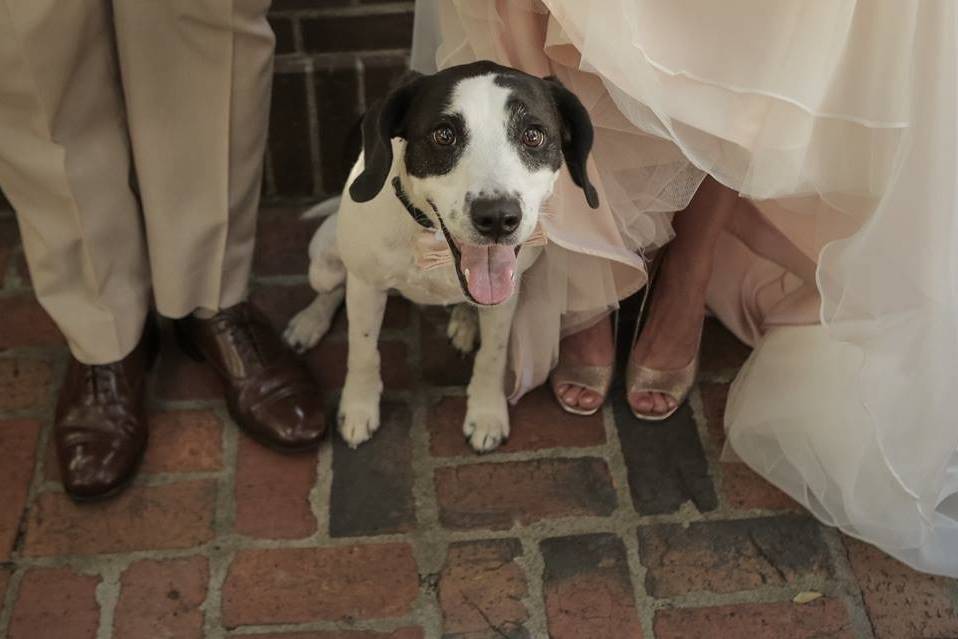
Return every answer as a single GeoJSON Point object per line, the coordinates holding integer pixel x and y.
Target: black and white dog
{"type": "Point", "coordinates": [442, 206]}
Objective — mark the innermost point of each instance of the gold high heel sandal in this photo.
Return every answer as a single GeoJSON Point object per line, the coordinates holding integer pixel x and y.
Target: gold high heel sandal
{"type": "Point", "coordinates": [597, 379]}
{"type": "Point", "coordinates": [676, 383]}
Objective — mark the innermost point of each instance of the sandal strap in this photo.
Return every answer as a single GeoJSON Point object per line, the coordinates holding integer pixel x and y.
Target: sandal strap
{"type": "Point", "coordinates": [597, 379]}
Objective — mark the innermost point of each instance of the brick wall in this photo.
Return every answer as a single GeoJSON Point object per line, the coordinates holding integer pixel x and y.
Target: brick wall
{"type": "Point", "coordinates": [333, 57]}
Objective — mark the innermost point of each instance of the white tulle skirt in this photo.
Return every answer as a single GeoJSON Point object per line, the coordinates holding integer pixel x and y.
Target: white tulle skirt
{"type": "Point", "coordinates": [840, 119]}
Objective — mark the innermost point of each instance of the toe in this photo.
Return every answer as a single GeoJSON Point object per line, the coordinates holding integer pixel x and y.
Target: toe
{"type": "Point", "coordinates": [589, 399]}
{"type": "Point", "coordinates": [641, 402]}
{"type": "Point", "coordinates": [659, 406]}
{"type": "Point", "coordinates": [571, 396]}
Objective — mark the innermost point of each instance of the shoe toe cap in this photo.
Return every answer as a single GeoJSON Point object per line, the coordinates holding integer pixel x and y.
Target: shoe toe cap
{"type": "Point", "coordinates": [295, 422]}
{"type": "Point", "coordinates": [93, 470]}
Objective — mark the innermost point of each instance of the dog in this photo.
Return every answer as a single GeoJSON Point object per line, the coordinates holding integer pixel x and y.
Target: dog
{"type": "Point", "coordinates": [442, 206]}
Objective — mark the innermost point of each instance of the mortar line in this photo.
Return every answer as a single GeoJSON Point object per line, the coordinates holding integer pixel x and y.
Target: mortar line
{"type": "Point", "coordinates": [430, 549]}
{"type": "Point", "coordinates": [297, 27]}
{"type": "Point", "coordinates": [107, 597]}
{"type": "Point", "coordinates": [385, 624]}
{"type": "Point", "coordinates": [644, 603]}
{"type": "Point", "coordinates": [220, 556]}
{"type": "Point", "coordinates": [315, 137]}
{"type": "Point", "coordinates": [852, 595]}
{"type": "Point", "coordinates": [532, 564]}
{"type": "Point", "coordinates": [349, 11]}
{"type": "Point", "coordinates": [6, 605]}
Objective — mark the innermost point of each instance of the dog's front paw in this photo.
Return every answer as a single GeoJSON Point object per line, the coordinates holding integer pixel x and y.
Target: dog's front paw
{"type": "Point", "coordinates": [305, 330]}
{"type": "Point", "coordinates": [486, 427]}
{"type": "Point", "coordinates": [358, 421]}
{"type": "Point", "coordinates": [463, 328]}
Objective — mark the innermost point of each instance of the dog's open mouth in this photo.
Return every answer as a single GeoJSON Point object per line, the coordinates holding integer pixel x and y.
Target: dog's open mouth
{"type": "Point", "coordinates": [487, 273]}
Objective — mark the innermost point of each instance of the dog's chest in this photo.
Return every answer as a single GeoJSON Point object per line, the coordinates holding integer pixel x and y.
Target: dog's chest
{"type": "Point", "coordinates": [439, 286]}
{"type": "Point", "coordinates": [387, 252]}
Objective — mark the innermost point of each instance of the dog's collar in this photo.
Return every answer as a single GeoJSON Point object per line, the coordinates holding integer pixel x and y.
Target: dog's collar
{"type": "Point", "coordinates": [416, 213]}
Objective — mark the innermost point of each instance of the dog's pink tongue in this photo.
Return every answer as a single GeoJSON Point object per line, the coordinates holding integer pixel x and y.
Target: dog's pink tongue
{"type": "Point", "coordinates": [489, 271]}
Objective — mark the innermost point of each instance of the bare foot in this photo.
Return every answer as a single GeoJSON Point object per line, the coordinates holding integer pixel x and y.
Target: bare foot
{"type": "Point", "coordinates": [592, 346]}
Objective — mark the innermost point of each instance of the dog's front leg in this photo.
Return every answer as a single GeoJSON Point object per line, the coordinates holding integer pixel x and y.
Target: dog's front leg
{"type": "Point", "coordinates": [487, 413]}
{"type": "Point", "coordinates": [359, 405]}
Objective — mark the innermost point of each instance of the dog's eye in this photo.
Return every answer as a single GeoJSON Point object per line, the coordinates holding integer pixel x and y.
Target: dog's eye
{"type": "Point", "coordinates": [533, 137]}
{"type": "Point", "coordinates": [444, 136]}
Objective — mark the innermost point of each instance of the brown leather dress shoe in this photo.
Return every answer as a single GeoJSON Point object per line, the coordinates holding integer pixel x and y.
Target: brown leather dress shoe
{"type": "Point", "coordinates": [100, 429]}
{"type": "Point", "coordinates": [270, 393]}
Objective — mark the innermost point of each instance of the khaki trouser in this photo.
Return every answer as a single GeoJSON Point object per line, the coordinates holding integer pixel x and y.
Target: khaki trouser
{"type": "Point", "coordinates": [89, 89]}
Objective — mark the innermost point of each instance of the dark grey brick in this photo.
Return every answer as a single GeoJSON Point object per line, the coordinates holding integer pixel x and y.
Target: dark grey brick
{"type": "Point", "coordinates": [665, 460]}
{"type": "Point", "coordinates": [732, 556]}
{"type": "Point", "coordinates": [372, 485]}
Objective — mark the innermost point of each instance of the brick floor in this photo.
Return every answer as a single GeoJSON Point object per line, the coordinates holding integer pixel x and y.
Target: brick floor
{"type": "Point", "coordinates": [600, 527]}
{"type": "Point", "coordinates": [162, 599]}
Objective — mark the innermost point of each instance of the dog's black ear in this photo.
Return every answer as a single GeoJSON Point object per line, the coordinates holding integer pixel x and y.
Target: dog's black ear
{"type": "Point", "coordinates": [381, 123]}
{"type": "Point", "coordinates": [577, 137]}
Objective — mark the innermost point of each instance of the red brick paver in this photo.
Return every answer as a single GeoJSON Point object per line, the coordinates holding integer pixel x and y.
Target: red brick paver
{"type": "Point", "coordinates": [588, 592]}
{"type": "Point", "coordinates": [162, 599]}
{"type": "Point", "coordinates": [500, 495]}
{"type": "Point", "coordinates": [184, 441]}
{"type": "Point", "coordinates": [25, 323]}
{"type": "Point", "coordinates": [901, 602]}
{"type": "Point", "coordinates": [308, 584]}
{"type": "Point", "coordinates": [18, 441]}
{"type": "Point", "coordinates": [481, 588]}
{"type": "Point", "coordinates": [4, 582]}
{"type": "Point", "coordinates": [56, 603]}
{"type": "Point", "coordinates": [142, 518]}
{"type": "Point", "coordinates": [403, 633]}
{"type": "Point", "coordinates": [24, 383]}
{"type": "Point", "coordinates": [539, 424]}
{"type": "Point", "coordinates": [731, 556]}
{"type": "Point", "coordinates": [272, 492]}
{"type": "Point", "coordinates": [820, 619]}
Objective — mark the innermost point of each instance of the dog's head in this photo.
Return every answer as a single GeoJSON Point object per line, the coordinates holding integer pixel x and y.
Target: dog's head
{"type": "Point", "coordinates": [483, 146]}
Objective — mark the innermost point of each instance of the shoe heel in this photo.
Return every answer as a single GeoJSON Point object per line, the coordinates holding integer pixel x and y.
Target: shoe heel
{"type": "Point", "coordinates": [185, 343]}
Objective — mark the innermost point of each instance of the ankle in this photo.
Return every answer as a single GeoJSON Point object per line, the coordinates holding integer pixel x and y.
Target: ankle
{"type": "Point", "coordinates": [591, 346]}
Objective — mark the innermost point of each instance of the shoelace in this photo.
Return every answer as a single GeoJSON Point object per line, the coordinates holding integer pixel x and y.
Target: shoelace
{"type": "Point", "coordinates": [100, 378]}
{"type": "Point", "coordinates": [246, 332]}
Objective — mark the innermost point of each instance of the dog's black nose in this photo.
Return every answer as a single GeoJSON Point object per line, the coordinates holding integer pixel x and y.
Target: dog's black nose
{"type": "Point", "coordinates": [495, 217]}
